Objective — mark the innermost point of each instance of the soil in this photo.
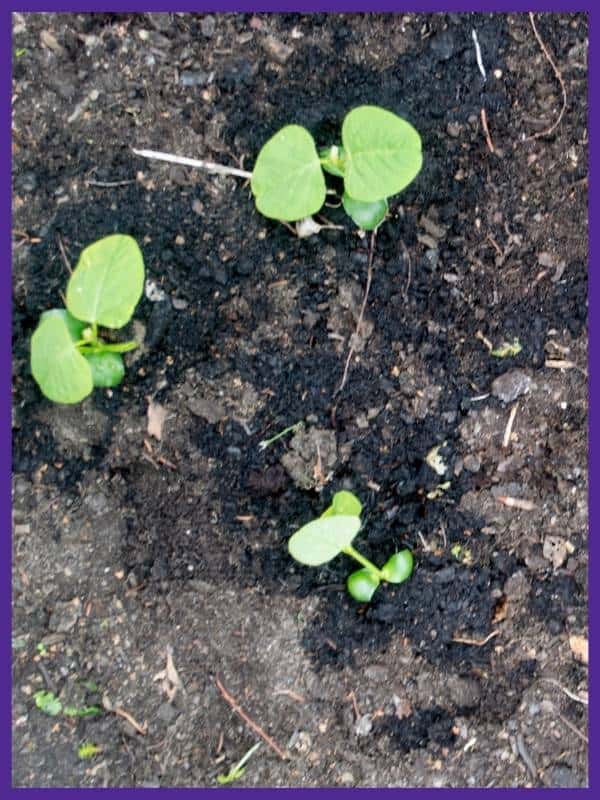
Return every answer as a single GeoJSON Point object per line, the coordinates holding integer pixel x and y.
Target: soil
{"type": "Point", "coordinates": [146, 569]}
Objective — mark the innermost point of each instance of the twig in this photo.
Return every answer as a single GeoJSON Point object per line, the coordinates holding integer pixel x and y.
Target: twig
{"type": "Point", "coordinates": [559, 78]}
{"type": "Point", "coordinates": [478, 53]}
{"type": "Point", "coordinates": [572, 727]}
{"type": "Point", "coordinates": [516, 502]}
{"type": "Point", "coordinates": [352, 697]}
{"type": "Point", "coordinates": [108, 184]}
{"type": "Point", "coordinates": [509, 426]}
{"type": "Point", "coordinates": [120, 712]}
{"type": "Point", "coordinates": [63, 253]}
{"type": "Point", "coordinates": [486, 131]}
{"type": "Point", "coordinates": [209, 166]}
{"type": "Point", "coordinates": [409, 268]}
{"type": "Point", "coordinates": [362, 312]}
{"type": "Point", "coordinates": [255, 727]}
{"type": "Point", "coordinates": [290, 693]}
{"type": "Point", "coordinates": [564, 689]}
{"type": "Point", "coordinates": [474, 642]}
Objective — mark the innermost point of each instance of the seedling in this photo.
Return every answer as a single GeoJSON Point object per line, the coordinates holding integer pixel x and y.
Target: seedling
{"type": "Point", "coordinates": [379, 156]}
{"type": "Point", "coordinates": [68, 357]}
{"type": "Point", "coordinates": [237, 770]}
{"type": "Point", "coordinates": [50, 704]}
{"type": "Point", "coordinates": [323, 539]}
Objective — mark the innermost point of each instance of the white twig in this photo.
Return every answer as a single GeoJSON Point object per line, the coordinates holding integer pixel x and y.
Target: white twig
{"type": "Point", "coordinates": [478, 54]}
{"type": "Point", "coordinates": [209, 166]}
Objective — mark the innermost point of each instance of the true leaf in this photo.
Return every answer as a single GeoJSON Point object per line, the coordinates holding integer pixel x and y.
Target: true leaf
{"type": "Point", "coordinates": [322, 539]}
{"type": "Point", "coordinates": [287, 180]}
{"type": "Point", "coordinates": [343, 503]}
{"type": "Point", "coordinates": [75, 326]}
{"type": "Point", "coordinates": [107, 368]}
{"type": "Point", "coordinates": [366, 215]}
{"type": "Point", "coordinates": [383, 153]}
{"type": "Point", "coordinates": [48, 702]}
{"type": "Point", "coordinates": [107, 282]}
{"type": "Point", "coordinates": [333, 160]}
{"type": "Point", "coordinates": [59, 369]}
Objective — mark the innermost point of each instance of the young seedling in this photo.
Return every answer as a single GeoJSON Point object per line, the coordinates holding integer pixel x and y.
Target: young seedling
{"type": "Point", "coordinates": [237, 770]}
{"type": "Point", "coordinates": [68, 357]}
{"type": "Point", "coordinates": [379, 156]}
{"type": "Point", "coordinates": [323, 539]}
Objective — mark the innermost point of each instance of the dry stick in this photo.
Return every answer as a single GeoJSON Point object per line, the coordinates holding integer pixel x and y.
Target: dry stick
{"type": "Point", "coordinates": [572, 727]}
{"type": "Point", "coordinates": [362, 312]}
{"type": "Point", "coordinates": [141, 729]}
{"type": "Point", "coordinates": [209, 166]}
{"type": "Point", "coordinates": [255, 727]}
{"type": "Point", "coordinates": [474, 642]}
{"type": "Point", "coordinates": [486, 131]}
{"type": "Point", "coordinates": [108, 184]}
{"type": "Point", "coordinates": [63, 253]}
{"type": "Point", "coordinates": [559, 78]}
{"type": "Point", "coordinates": [566, 691]}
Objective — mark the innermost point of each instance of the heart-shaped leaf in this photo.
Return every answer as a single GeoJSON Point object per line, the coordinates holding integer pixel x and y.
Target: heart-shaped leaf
{"type": "Point", "coordinates": [343, 503]}
{"type": "Point", "coordinates": [383, 153]}
{"type": "Point", "coordinates": [107, 369]}
{"type": "Point", "coordinates": [366, 215]}
{"type": "Point", "coordinates": [323, 539]}
{"type": "Point", "coordinates": [75, 326]}
{"type": "Point", "coordinates": [59, 369]}
{"type": "Point", "coordinates": [108, 282]}
{"type": "Point", "coordinates": [287, 180]}
{"type": "Point", "coordinates": [399, 567]}
{"type": "Point", "coordinates": [362, 584]}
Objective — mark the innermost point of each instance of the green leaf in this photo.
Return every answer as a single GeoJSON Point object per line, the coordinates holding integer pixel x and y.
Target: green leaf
{"type": "Point", "coordinates": [333, 160]}
{"type": "Point", "coordinates": [287, 180]}
{"type": "Point", "coordinates": [399, 567]}
{"type": "Point", "coordinates": [362, 585]}
{"type": "Point", "coordinates": [233, 775]}
{"type": "Point", "coordinates": [343, 503]}
{"type": "Point", "coordinates": [75, 326]}
{"type": "Point", "coordinates": [84, 711]}
{"type": "Point", "coordinates": [88, 750]}
{"type": "Point", "coordinates": [108, 282]}
{"type": "Point", "coordinates": [48, 702]}
{"type": "Point", "coordinates": [59, 369]}
{"type": "Point", "coordinates": [366, 215]}
{"type": "Point", "coordinates": [107, 368]}
{"type": "Point", "coordinates": [383, 153]}
{"type": "Point", "coordinates": [323, 539]}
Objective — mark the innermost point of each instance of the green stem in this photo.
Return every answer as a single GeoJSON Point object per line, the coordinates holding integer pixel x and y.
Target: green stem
{"type": "Point", "coordinates": [102, 347]}
{"type": "Point", "coordinates": [350, 551]}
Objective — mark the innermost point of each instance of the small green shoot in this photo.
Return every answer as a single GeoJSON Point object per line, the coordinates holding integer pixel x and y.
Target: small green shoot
{"type": "Point", "coordinates": [508, 349]}
{"type": "Point", "coordinates": [88, 750]}
{"type": "Point", "coordinates": [48, 702]}
{"type": "Point", "coordinates": [238, 769]}
{"type": "Point", "coordinates": [290, 429]}
{"type": "Point", "coordinates": [68, 357]}
{"type": "Point", "coordinates": [379, 156]}
{"type": "Point", "coordinates": [332, 533]}
{"type": "Point", "coordinates": [42, 649]}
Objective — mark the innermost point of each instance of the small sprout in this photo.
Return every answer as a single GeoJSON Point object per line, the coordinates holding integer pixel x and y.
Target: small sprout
{"type": "Point", "coordinates": [88, 750]}
{"type": "Point", "coordinates": [68, 357]}
{"type": "Point", "coordinates": [48, 702]}
{"type": "Point", "coordinates": [332, 533]}
{"type": "Point", "coordinates": [464, 555]}
{"type": "Point", "coordinates": [290, 429]}
{"type": "Point", "coordinates": [238, 769]}
{"type": "Point", "coordinates": [379, 156]}
{"type": "Point", "coordinates": [41, 648]}
{"type": "Point", "coordinates": [85, 711]}
{"type": "Point", "coordinates": [507, 349]}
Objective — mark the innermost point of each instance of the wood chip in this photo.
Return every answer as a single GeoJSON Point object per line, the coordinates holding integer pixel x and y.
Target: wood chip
{"type": "Point", "coordinates": [579, 647]}
{"type": "Point", "coordinates": [156, 418]}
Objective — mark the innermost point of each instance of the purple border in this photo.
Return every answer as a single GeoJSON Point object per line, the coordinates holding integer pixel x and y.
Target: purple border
{"type": "Point", "coordinates": [5, 352]}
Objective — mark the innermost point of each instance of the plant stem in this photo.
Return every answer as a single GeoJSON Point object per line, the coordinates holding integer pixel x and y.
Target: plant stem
{"type": "Point", "coordinates": [102, 347]}
{"type": "Point", "coordinates": [209, 166]}
{"type": "Point", "coordinates": [350, 551]}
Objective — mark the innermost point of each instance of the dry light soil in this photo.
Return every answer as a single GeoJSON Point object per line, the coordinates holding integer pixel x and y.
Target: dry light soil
{"type": "Point", "coordinates": [151, 573]}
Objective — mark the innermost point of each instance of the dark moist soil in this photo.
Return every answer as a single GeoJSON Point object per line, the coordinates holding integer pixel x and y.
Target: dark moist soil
{"type": "Point", "coordinates": [146, 569]}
